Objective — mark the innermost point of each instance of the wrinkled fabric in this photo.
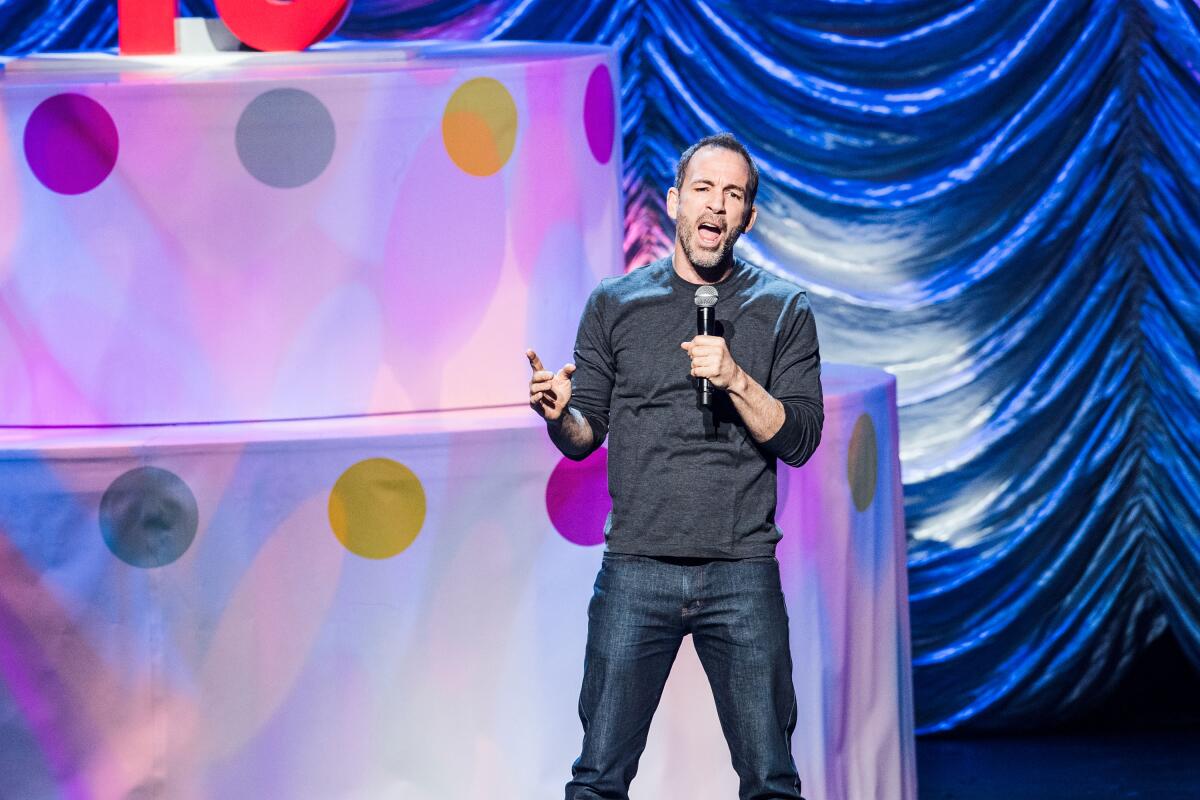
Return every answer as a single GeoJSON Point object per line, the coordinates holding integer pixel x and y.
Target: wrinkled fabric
{"type": "Point", "coordinates": [997, 201]}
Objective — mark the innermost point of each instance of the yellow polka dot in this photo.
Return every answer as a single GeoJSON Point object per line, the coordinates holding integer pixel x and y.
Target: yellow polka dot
{"type": "Point", "coordinates": [479, 126]}
{"type": "Point", "coordinates": [862, 462]}
{"type": "Point", "coordinates": [377, 508]}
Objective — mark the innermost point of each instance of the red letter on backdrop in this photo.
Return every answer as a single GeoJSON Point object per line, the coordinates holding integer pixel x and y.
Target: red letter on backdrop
{"type": "Point", "coordinates": [145, 27]}
{"type": "Point", "coordinates": [274, 25]}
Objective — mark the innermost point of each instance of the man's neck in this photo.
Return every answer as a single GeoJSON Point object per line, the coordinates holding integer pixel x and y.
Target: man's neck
{"type": "Point", "coordinates": [685, 269]}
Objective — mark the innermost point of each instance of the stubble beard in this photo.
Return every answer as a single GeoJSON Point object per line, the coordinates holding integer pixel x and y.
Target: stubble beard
{"type": "Point", "coordinates": [706, 261]}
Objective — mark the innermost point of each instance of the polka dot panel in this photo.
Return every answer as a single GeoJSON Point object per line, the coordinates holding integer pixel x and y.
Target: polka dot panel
{"type": "Point", "coordinates": [235, 207]}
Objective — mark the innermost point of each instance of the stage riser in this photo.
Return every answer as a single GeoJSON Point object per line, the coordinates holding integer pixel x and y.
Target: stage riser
{"type": "Point", "coordinates": [268, 659]}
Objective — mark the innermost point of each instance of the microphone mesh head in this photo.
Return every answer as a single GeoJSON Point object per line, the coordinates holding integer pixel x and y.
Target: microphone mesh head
{"type": "Point", "coordinates": [706, 296]}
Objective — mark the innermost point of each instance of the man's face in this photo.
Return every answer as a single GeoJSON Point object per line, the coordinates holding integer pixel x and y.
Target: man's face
{"type": "Point", "coordinates": [710, 208]}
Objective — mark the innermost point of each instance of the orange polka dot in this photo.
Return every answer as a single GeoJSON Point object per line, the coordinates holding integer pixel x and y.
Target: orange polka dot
{"type": "Point", "coordinates": [377, 508]}
{"type": "Point", "coordinates": [479, 126]}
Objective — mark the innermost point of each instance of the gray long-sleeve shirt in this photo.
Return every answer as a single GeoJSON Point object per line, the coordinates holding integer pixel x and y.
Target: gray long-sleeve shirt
{"type": "Point", "coordinates": [687, 481]}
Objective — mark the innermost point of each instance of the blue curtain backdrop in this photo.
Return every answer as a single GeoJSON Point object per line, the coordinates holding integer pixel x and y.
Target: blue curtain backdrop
{"type": "Point", "coordinates": [997, 201]}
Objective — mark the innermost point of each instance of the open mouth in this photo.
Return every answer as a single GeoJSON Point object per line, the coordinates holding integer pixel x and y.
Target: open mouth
{"type": "Point", "coordinates": [709, 233]}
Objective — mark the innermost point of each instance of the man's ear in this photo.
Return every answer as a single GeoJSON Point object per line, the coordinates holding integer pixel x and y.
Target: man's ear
{"type": "Point", "coordinates": [750, 221]}
{"type": "Point", "coordinates": [673, 203]}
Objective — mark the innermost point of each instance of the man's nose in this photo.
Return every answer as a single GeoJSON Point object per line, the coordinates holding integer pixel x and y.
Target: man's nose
{"type": "Point", "coordinates": [716, 202]}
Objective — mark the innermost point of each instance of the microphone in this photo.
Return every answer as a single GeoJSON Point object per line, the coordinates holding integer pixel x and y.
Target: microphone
{"type": "Point", "coordinates": [706, 298]}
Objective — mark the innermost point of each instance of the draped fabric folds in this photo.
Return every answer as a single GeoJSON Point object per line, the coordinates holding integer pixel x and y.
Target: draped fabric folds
{"type": "Point", "coordinates": [995, 200]}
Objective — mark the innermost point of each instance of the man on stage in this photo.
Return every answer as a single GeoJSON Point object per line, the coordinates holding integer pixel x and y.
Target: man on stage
{"type": "Point", "coordinates": [691, 538]}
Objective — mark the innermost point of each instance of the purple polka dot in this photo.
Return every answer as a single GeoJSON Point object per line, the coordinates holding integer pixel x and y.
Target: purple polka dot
{"type": "Point", "coordinates": [70, 143]}
{"type": "Point", "coordinates": [600, 114]}
{"type": "Point", "coordinates": [577, 498]}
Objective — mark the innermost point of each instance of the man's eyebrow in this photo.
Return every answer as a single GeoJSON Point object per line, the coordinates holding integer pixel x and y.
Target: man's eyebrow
{"type": "Point", "coordinates": [711, 182]}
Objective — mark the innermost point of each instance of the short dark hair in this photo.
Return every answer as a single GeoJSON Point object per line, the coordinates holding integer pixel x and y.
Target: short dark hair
{"type": "Point", "coordinates": [726, 141]}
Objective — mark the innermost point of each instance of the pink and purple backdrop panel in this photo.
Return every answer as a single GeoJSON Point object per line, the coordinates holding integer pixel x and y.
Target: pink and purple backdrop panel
{"type": "Point", "coordinates": [352, 230]}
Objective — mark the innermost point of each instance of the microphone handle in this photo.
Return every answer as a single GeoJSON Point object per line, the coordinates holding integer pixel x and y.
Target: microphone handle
{"type": "Point", "coordinates": [704, 327]}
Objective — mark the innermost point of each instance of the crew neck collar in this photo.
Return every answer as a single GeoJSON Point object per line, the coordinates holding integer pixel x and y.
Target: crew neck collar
{"type": "Point", "coordinates": [732, 279]}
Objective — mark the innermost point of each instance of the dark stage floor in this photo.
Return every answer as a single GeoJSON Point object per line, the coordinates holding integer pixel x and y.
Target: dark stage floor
{"type": "Point", "coordinates": [1143, 741]}
{"type": "Point", "coordinates": [1156, 765]}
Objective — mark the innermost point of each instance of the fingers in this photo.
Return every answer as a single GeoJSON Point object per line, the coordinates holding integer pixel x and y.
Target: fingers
{"type": "Point", "coordinates": [545, 410]}
{"type": "Point", "coordinates": [534, 361]}
{"type": "Point", "coordinates": [542, 396]}
{"type": "Point", "coordinates": [697, 349]}
{"type": "Point", "coordinates": [546, 404]}
{"type": "Point", "coordinates": [543, 401]}
{"type": "Point", "coordinates": [702, 363]}
{"type": "Point", "coordinates": [545, 378]}
{"type": "Point", "coordinates": [709, 356]}
{"type": "Point", "coordinates": [540, 373]}
{"type": "Point", "coordinates": [701, 340]}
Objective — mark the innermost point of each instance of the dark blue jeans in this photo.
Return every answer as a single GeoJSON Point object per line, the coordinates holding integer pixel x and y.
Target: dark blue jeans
{"type": "Point", "coordinates": [640, 611]}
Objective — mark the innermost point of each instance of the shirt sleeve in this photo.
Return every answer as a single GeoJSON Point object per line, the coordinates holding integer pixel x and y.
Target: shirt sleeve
{"type": "Point", "coordinates": [796, 383]}
{"type": "Point", "coordinates": [595, 369]}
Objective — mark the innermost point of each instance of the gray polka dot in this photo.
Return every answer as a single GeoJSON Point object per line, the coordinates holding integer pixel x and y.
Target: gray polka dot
{"type": "Point", "coordinates": [862, 462]}
{"type": "Point", "coordinates": [148, 517]}
{"type": "Point", "coordinates": [285, 138]}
